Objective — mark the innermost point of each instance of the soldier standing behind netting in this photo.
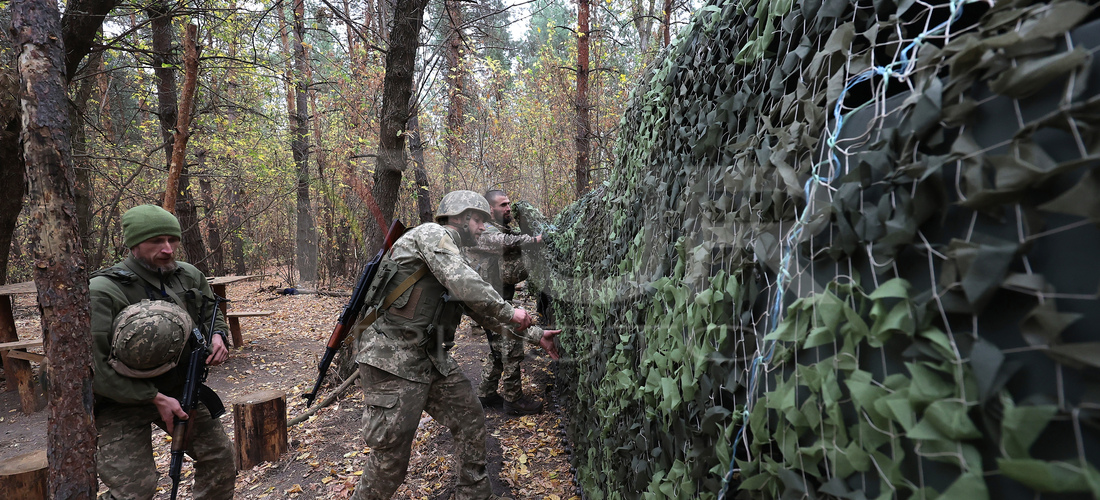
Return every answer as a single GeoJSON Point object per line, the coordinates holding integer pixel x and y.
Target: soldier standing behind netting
{"type": "Point", "coordinates": [143, 310]}
{"type": "Point", "coordinates": [497, 258]}
{"type": "Point", "coordinates": [423, 286]}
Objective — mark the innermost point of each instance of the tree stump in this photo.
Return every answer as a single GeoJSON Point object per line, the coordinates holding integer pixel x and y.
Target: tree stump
{"type": "Point", "coordinates": [24, 477]}
{"type": "Point", "coordinates": [259, 423]}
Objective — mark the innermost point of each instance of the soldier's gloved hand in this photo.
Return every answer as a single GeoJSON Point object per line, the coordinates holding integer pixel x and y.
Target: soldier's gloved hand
{"type": "Point", "coordinates": [169, 408]}
{"type": "Point", "coordinates": [547, 342]}
{"type": "Point", "coordinates": [522, 319]}
{"type": "Point", "coordinates": [218, 352]}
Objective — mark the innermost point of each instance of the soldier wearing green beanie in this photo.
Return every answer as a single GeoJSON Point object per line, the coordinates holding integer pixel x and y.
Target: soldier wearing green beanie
{"type": "Point", "coordinates": [146, 221]}
{"type": "Point", "coordinates": [138, 379]}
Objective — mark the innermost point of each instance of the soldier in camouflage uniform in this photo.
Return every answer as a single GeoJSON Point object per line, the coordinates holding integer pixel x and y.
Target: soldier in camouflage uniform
{"type": "Point", "coordinates": [404, 357]}
{"type": "Point", "coordinates": [497, 257]}
{"type": "Point", "coordinates": [142, 313]}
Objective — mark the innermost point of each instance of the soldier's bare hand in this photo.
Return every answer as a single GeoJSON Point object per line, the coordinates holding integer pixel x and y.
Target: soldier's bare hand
{"type": "Point", "coordinates": [522, 319]}
{"type": "Point", "coordinates": [169, 408]}
{"type": "Point", "coordinates": [547, 342]}
{"type": "Point", "coordinates": [218, 352]}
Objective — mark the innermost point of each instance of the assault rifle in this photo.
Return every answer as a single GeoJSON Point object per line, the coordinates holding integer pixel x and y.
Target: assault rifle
{"type": "Point", "coordinates": [194, 391]}
{"type": "Point", "coordinates": [352, 309]}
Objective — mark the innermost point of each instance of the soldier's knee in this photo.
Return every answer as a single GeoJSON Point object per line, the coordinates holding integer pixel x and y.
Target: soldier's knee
{"type": "Point", "coordinates": [142, 486]}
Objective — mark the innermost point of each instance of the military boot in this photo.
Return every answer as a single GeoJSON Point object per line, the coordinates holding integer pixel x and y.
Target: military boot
{"type": "Point", "coordinates": [491, 401]}
{"type": "Point", "coordinates": [522, 406]}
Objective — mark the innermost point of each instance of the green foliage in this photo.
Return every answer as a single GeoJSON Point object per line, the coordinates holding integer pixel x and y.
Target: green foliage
{"type": "Point", "coordinates": [823, 259]}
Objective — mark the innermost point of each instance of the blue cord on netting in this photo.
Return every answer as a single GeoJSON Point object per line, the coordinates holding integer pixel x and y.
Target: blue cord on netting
{"type": "Point", "coordinates": [906, 59]}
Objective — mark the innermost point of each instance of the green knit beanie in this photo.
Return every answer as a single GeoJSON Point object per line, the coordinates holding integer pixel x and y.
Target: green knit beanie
{"type": "Point", "coordinates": [148, 221]}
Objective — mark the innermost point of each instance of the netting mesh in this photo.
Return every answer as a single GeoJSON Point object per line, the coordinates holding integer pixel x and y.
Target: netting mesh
{"type": "Point", "coordinates": [849, 251]}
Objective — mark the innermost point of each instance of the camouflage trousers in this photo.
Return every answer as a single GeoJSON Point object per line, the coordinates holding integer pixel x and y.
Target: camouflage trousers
{"type": "Point", "coordinates": [124, 460]}
{"type": "Point", "coordinates": [391, 414]}
{"type": "Point", "coordinates": [502, 367]}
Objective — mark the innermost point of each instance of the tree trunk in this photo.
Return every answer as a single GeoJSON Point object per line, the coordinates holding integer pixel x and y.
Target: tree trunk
{"type": "Point", "coordinates": [583, 134]}
{"type": "Point", "coordinates": [423, 193]}
{"type": "Point", "coordinates": [59, 275]}
{"type": "Point", "coordinates": [78, 32]}
{"type": "Point", "coordinates": [84, 166]}
{"type": "Point", "coordinates": [177, 195]}
{"type": "Point", "coordinates": [396, 91]}
{"type": "Point", "coordinates": [12, 182]}
{"type": "Point", "coordinates": [666, 21]}
{"type": "Point", "coordinates": [322, 165]}
{"type": "Point", "coordinates": [454, 138]}
{"type": "Point", "coordinates": [642, 15]}
{"type": "Point", "coordinates": [183, 119]}
{"type": "Point", "coordinates": [217, 254]}
{"type": "Point", "coordinates": [161, 22]}
{"type": "Point", "coordinates": [234, 226]}
{"type": "Point", "coordinates": [306, 234]}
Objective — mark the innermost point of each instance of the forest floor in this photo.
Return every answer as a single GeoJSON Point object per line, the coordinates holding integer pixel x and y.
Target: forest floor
{"type": "Point", "coordinates": [527, 457]}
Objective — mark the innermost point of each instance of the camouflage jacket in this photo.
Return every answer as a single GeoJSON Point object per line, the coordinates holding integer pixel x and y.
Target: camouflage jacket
{"type": "Point", "coordinates": [400, 353]}
{"type": "Point", "coordinates": [114, 288]}
{"type": "Point", "coordinates": [498, 255]}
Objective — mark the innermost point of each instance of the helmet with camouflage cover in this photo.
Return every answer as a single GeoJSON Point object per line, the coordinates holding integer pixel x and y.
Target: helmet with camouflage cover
{"type": "Point", "coordinates": [149, 338]}
{"type": "Point", "coordinates": [456, 202]}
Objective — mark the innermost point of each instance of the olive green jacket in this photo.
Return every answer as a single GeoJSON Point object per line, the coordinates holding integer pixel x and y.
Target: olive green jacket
{"type": "Point", "coordinates": [394, 346]}
{"type": "Point", "coordinates": [114, 288]}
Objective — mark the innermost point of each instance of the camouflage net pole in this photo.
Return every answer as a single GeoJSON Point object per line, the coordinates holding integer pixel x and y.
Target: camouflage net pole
{"type": "Point", "coordinates": [848, 252]}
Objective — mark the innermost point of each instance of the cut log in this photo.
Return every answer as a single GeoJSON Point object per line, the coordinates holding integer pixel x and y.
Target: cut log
{"type": "Point", "coordinates": [24, 477]}
{"type": "Point", "coordinates": [259, 422]}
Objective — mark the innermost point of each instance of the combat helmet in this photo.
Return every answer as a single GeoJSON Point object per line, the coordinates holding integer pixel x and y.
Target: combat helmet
{"type": "Point", "coordinates": [149, 338]}
{"type": "Point", "coordinates": [456, 202]}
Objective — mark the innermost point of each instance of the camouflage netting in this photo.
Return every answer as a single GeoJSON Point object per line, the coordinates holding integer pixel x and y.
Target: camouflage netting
{"type": "Point", "coordinates": [849, 251]}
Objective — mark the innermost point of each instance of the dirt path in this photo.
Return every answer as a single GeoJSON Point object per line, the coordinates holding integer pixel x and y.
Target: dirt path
{"type": "Point", "coordinates": [326, 452]}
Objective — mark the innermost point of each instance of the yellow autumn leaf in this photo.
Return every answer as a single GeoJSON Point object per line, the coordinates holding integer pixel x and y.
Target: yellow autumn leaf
{"type": "Point", "coordinates": [297, 488]}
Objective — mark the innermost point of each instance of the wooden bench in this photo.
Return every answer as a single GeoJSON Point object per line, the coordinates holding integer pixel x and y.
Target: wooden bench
{"type": "Point", "coordinates": [234, 318]}
{"type": "Point", "coordinates": [17, 363]}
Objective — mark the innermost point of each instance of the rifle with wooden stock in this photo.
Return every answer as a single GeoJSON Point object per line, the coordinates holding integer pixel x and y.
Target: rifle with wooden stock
{"type": "Point", "coordinates": [352, 309]}
{"type": "Point", "coordinates": [194, 391]}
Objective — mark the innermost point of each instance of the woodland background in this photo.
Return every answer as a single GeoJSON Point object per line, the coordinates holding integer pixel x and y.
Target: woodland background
{"type": "Point", "coordinates": [281, 148]}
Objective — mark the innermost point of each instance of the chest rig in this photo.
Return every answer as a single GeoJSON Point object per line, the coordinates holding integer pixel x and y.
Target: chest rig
{"type": "Point", "coordinates": [423, 313]}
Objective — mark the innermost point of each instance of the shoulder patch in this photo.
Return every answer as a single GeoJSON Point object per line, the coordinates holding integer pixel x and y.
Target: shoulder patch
{"type": "Point", "coordinates": [447, 244]}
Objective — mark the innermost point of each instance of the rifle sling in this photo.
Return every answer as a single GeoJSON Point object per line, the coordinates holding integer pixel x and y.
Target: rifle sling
{"type": "Point", "coordinates": [369, 319]}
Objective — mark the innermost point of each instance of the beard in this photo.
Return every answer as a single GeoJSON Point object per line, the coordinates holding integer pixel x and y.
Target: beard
{"type": "Point", "coordinates": [167, 268]}
{"type": "Point", "coordinates": [468, 238]}
{"type": "Point", "coordinates": [507, 219]}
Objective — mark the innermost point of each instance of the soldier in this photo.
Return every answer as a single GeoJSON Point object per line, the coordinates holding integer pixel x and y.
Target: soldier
{"type": "Point", "coordinates": [404, 359]}
{"type": "Point", "coordinates": [142, 312]}
{"type": "Point", "coordinates": [497, 257]}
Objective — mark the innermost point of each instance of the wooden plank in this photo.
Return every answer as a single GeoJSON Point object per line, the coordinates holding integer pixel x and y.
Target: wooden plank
{"type": "Point", "coordinates": [249, 314]}
{"type": "Point", "coordinates": [20, 344]}
{"type": "Point", "coordinates": [225, 280]}
{"type": "Point", "coordinates": [29, 356]}
{"type": "Point", "coordinates": [18, 288]}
